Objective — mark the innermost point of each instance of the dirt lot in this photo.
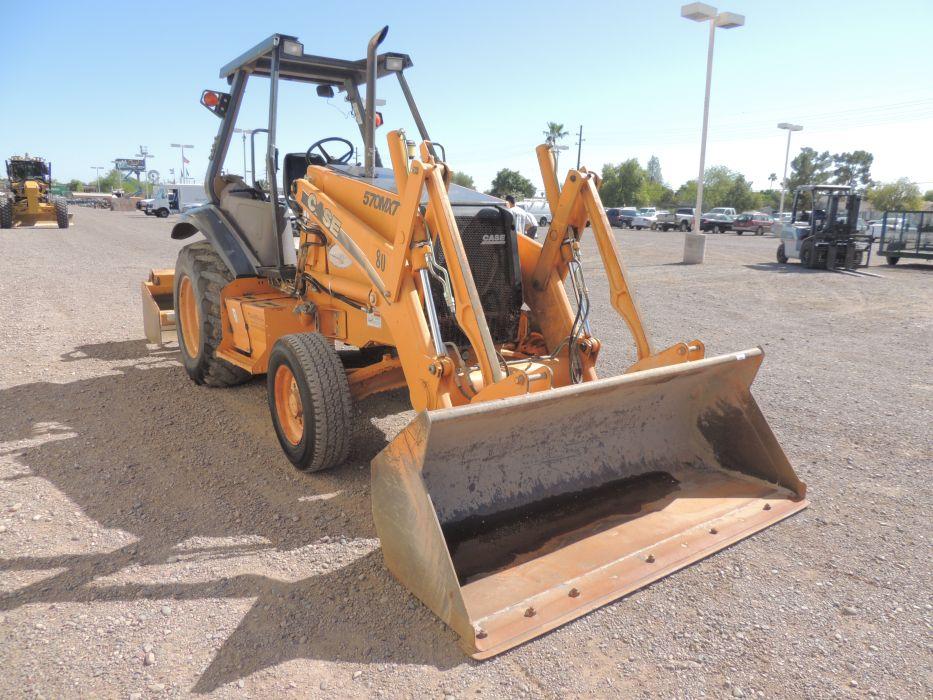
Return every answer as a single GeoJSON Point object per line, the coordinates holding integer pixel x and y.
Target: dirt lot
{"type": "Point", "coordinates": [154, 541]}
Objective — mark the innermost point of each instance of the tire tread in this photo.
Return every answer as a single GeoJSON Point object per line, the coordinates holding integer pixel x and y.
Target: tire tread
{"type": "Point", "coordinates": [204, 263]}
{"type": "Point", "coordinates": [332, 406]}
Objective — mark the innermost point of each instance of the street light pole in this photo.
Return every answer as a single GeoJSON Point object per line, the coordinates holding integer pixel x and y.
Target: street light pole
{"type": "Point", "coordinates": [98, 168]}
{"type": "Point", "coordinates": [701, 176]}
{"type": "Point", "coordinates": [791, 128]}
{"type": "Point", "coordinates": [245, 132]}
{"type": "Point", "coordinates": [695, 241]}
{"type": "Point", "coordinates": [579, 145]}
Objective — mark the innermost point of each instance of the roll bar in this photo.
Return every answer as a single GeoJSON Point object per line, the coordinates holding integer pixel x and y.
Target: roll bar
{"type": "Point", "coordinates": [282, 56]}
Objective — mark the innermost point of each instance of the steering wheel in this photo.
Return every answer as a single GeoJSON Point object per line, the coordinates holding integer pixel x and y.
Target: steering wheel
{"type": "Point", "coordinates": [319, 145]}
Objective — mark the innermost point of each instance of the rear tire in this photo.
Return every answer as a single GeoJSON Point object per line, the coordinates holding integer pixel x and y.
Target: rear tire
{"type": "Point", "coordinates": [309, 399]}
{"type": "Point", "coordinates": [61, 211]}
{"type": "Point", "coordinates": [6, 213]}
{"type": "Point", "coordinates": [892, 260]}
{"type": "Point", "coordinates": [542, 221]}
{"type": "Point", "coordinates": [759, 231]}
{"type": "Point", "coordinates": [200, 275]}
{"type": "Point", "coordinates": [738, 233]}
{"type": "Point", "coordinates": [781, 255]}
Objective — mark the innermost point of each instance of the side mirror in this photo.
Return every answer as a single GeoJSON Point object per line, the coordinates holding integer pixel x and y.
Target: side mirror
{"type": "Point", "coordinates": [216, 102]}
{"type": "Point", "coordinates": [325, 91]}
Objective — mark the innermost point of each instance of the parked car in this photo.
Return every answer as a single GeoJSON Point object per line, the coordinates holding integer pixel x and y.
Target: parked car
{"type": "Point", "coordinates": [715, 222]}
{"type": "Point", "coordinates": [621, 217]}
{"type": "Point", "coordinates": [682, 218]}
{"type": "Point", "coordinates": [538, 208]}
{"type": "Point", "coordinates": [752, 222]}
{"type": "Point", "coordinates": [647, 217]}
{"type": "Point", "coordinates": [875, 226]}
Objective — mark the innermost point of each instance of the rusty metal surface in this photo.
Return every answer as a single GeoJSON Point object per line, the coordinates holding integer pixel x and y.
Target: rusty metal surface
{"type": "Point", "coordinates": [512, 517]}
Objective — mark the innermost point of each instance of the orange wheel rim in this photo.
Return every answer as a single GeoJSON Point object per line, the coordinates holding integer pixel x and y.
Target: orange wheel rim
{"type": "Point", "coordinates": [288, 405]}
{"type": "Point", "coordinates": [188, 310]}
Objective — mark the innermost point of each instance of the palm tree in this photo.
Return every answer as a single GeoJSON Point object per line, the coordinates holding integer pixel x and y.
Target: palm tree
{"type": "Point", "coordinates": [554, 133]}
{"type": "Point", "coordinates": [772, 178]}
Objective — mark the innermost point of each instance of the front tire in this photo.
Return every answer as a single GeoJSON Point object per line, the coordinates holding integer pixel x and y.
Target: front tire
{"type": "Point", "coordinates": [162, 213]}
{"type": "Point", "coordinates": [684, 226]}
{"type": "Point", "coordinates": [542, 221]}
{"type": "Point", "coordinates": [61, 211]}
{"type": "Point", "coordinates": [309, 399]}
{"type": "Point", "coordinates": [6, 213]}
{"type": "Point", "coordinates": [200, 275]}
{"type": "Point", "coordinates": [781, 255]}
{"type": "Point", "coordinates": [808, 255]}
{"type": "Point", "coordinates": [892, 260]}
{"type": "Point", "coordinates": [759, 231]}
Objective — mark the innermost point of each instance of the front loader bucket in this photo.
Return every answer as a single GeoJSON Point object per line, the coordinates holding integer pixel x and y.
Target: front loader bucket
{"type": "Point", "coordinates": [512, 517]}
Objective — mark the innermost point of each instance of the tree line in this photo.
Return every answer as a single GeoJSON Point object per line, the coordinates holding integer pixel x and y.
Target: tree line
{"type": "Point", "coordinates": [630, 184]}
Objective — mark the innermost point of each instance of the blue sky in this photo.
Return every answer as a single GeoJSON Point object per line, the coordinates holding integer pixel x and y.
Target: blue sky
{"type": "Point", "coordinates": [487, 77]}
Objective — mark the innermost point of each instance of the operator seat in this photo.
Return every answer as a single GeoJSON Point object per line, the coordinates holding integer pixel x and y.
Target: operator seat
{"type": "Point", "coordinates": [294, 166]}
{"type": "Point", "coordinates": [251, 215]}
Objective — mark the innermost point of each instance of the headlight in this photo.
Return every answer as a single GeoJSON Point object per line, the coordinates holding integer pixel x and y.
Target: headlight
{"type": "Point", "coordinates": [293, 48]}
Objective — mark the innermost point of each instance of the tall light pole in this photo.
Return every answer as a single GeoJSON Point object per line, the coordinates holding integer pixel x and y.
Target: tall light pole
{"type": "Point", "coordinates": [245, 133]}
{"type": "Point", "coordinates": [791, 128]}
{"type": "Point", "coordinates": [98, 168]}
{"type": "Point", "coordinates": [695, 241]}
{"type": "Point", "coordinates": [182, 147]}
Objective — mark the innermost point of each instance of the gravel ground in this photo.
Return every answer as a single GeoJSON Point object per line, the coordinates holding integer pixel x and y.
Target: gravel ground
{"type": "Point", "coordinates": [155, 542]}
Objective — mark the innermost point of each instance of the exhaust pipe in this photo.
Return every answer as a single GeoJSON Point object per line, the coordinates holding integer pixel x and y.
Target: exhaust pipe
{"type": "Point", "coordinates": [369, 131]}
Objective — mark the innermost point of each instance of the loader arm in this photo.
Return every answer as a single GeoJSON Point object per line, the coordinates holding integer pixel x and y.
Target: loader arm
{"type": "Point", "coordinates": [393, 256]}
{"type": "Point", "coordinates": [572, 206]}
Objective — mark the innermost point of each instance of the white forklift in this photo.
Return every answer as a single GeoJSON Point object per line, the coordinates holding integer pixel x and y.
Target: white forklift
{"type": "Point", "coordinates": [823, 229]}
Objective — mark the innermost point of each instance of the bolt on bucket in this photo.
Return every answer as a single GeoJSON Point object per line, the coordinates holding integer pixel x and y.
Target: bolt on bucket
{"type": "Point", "coordinates": [512, 517]}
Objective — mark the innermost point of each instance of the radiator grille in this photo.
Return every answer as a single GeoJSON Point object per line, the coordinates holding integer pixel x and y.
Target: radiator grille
{"type": "Point", "coordinates": [492, 251]}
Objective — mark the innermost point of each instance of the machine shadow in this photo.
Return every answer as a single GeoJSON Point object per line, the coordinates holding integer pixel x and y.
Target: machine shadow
{"type": "Point", "coordinates": [782, 268]}
{"type": "Point", "coordinates": [119, 350]}
{"type": "Point", "coordinates": [147, 452]}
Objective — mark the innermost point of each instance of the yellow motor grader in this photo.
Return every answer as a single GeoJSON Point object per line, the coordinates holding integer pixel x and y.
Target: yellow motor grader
{"type": "Point", "coordinates": [30, 202]}
{"type": "Point", "coordinates": [528, 489]}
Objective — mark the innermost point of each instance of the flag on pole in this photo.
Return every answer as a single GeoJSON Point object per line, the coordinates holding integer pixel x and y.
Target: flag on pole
{"type": "Point", "coordinates": [185, 160]}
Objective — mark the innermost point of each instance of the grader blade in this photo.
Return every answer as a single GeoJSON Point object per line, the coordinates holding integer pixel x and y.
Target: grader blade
{"type": "Point", "coordinates": [512, 517]}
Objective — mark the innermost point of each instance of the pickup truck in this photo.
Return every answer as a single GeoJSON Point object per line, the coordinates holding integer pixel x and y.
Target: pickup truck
{"type": "Point", "coordinates": [725, 211]}
{"type": "Point", "coordinates": [681, 218]}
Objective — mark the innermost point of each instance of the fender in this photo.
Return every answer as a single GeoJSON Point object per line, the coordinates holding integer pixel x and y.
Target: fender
{"type": "Point", "coordinates": [229, 244]}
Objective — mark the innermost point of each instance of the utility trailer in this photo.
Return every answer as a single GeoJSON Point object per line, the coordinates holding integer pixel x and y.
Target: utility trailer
{"type": "Point", "coordinates": [906, 234]}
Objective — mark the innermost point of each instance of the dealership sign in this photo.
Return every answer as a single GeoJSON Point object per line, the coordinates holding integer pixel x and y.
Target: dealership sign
{"type": "Point", "coordinates": [133, 165]}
